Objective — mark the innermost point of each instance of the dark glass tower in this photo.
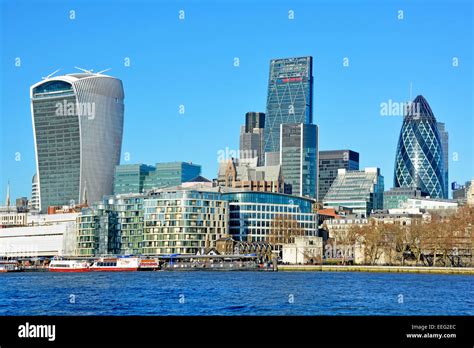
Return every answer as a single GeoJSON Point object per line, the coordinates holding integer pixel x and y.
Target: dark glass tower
{"type": "Point", "coordinates": [329, 163]}
{"type": "Point", "coordinates": [419, 161]}
{"type": "Point", "coordinates": [254, 120]}
{"type": "Point", "coordinates": [299, 157]}
{"type": "Point", "coordinates": [289, 98]}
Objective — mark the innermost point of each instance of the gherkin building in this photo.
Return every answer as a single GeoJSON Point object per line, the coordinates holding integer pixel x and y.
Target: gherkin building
{"type": "Point", "coordinates": [419, 158]}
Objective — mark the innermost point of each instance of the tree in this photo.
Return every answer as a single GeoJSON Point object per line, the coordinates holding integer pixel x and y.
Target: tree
{"type": "Point", "coordinates": [283, 230]}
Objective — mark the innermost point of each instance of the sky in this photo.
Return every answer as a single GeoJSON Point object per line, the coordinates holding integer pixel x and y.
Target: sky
{"type": "Point", "coordinates": [365, 53]}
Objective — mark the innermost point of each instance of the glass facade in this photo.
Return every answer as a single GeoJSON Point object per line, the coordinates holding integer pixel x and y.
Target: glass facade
{"type": "Point", "coordinates": [171, 174]}
{"type": "Point", "coordinates": [259, 216]}
{"type": "Point", "coordinates": [254, 120]}
{"type": "Point", "coordinates": [419, 160]}
{"type": "Point", "coordinates": [78, 125]}
{"type": "Point", "coordinates": [58, 145]}
{"type": "Point", "coordinates": [190, 221]}
{"type": "Point", "coordinates": [129, 211]}
{"type": "Point", "coordinates": [112, 226]}
{"type": "Point", "coordinates": [289, 98]}
{"type": "Point", "coordinates": [299, 157]}
{"type": "Point", "coordinates": [184, 222]}
{"type": "Point", "coordinates": [97, 230]}
{"type": "Point", "coordinates": [397, 196]}
{"type": "Point", "coordinates": [445, 144]}
{"type": "Point", "coordinates": [329, 163]}
{"type": "Point", "coordinates": [130, 178]}
{"type": "Point", "coordinates": [362, 191]}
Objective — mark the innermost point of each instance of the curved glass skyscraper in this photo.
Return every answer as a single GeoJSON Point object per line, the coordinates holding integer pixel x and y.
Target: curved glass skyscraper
{"type": "Point", "coordinates": [419, 161]}
{"type": "Point", "coordinates": [77, 126]}
{"type": "Point", "coordinates": [289, 99]}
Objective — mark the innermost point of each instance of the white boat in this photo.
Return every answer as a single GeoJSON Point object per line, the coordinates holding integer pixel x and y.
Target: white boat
{"type": "Point", "coordinates": [69, 266]}
{"type": "Point", "coordinates": [115, 264]}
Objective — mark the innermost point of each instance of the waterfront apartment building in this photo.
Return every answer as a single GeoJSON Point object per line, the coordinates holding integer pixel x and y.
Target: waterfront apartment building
{"type": "Point", "coordinates": [77, 127]}
{"type": "Point", "coordinates": [289, 97]}
{"type": "Point", "coordinates": [397, 196]}
{"type": "Point", "coordinates": [183, 221]}
{"type": "Point", "coordinates": [270, 217]}
{"type": "Point", "coordinates": [111, 226]}
{"type": "Point", "coordinates": [130, 178]}
{"type": "Point", "coordinates": [96, 231]}
{"type": "Point", "coordinates": [358, 190]}
{"type": "Point", "coordinates": [419, 160]}
{"type": "Point", "coordinates": [299, 157]}
{"type": "Point", "coordinates": [171, 174]}
{"type": "Point", "coordinates": [329, 163]}
{"type": "Point", "coordinates": [251, 137]}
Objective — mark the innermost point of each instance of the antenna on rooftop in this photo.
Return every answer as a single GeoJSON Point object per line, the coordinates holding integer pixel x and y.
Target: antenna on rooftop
{"type": "Point", "coordinates": [102, 71]}
{"type": "Point", "coordinates": [47, 77]}
{"type": "Point", "coordinates": [85, 70]}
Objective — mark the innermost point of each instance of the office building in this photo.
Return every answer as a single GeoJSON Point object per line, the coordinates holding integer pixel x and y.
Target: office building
{"type": "Point", "coordinates": [246, 175]}
{"type": "Point", "coordinates": [130, 178]}
{"type": "Point", "coordinates": [397, 196]}
{"type": "Point", "coordinates": [329, 163]}
{"type": "Point", "coordinates": [289, 97]}
{"type": "Point", "coordinates": [358, 190]}
{"type": "Point", "coordinates": [251, 137]}
{"type": "Point", "coordinates": [77, 127]}
{"type": "Point", "coordinates": [270, 217]}
{"type": "Point", "coordinates": [419, 160]}
{"type": "Point", "coordinates": [37, 235]}
{"type": "Point", "coordinates": [299, 157]}
{"type": "Point", "coordinates": [171, 174]}
{"type": "Point", "coordinates": [425, 203]}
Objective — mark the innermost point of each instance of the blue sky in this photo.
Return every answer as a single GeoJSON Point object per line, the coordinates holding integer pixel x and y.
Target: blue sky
{"type": "Point", "coordinates": [190, 62]}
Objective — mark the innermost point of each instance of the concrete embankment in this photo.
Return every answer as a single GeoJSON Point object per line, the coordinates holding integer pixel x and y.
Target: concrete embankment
{"type": "Point", "coordinates": [383, 269]}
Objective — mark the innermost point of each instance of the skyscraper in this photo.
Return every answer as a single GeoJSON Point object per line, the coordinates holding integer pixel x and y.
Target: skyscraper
{"type": "Point", "coordinates": [329, 163]}
{"type": "Point", "coordinates": [251, 137]}
{"type": "Point", "coordinates": [77, 126]}
{"type": "Point", "coordinates": [289, 98]}
{"type": "Point", "coordinates": [419, 160]}
{"type": "Point", "coordinates": [444, 142]}
{"type": "Point", "coordinates": [299, 157]}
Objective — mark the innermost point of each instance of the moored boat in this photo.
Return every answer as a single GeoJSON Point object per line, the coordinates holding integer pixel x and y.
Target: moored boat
{"type": "Point", "coordinates": [10, 266]}
{"type": "Point", "coordinates": [116, 264]}
{"type": "Point", "coordinates": [69, 266]}
{"type": "Point", "coordinates": [148, 265]}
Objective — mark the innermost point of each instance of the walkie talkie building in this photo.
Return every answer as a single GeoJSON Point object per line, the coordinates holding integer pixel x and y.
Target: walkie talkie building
{"type": "Point", "coordinates": [77, 126]}
{"type": "Point", "coordinates": [419, 160]}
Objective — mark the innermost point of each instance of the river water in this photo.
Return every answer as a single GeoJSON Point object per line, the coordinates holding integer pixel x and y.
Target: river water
{"type": "Point", "coordinates": [235, 293]}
